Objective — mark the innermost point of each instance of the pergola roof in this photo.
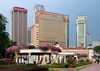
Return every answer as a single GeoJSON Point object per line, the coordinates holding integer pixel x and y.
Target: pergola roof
{"type": "Point", "coordinates": [36, 51]}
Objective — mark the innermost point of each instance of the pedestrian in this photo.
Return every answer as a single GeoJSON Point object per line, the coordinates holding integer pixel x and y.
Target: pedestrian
{"type": "Point", "coordinates": [97, 61]}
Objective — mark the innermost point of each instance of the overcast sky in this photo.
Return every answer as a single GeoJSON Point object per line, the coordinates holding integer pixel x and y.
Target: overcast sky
{"type": "Point", "coordinates": [73, 8]}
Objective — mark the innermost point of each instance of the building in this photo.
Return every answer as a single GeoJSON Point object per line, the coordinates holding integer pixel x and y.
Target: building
{"type": "Point", "coordinates": [96, 43]}
{"type": "Point", "coordinates": [18, 25]}
{"type": "Point", "coordinates": [29, 35]}
{"type": "Point", "coordinates": [81, 33]}
{"type": "Point", "coordinates": [79, 53]}
{"type": "Point", "coordinates": [35, 35]}
{"type": "Point", "coordinates": [50, 28]}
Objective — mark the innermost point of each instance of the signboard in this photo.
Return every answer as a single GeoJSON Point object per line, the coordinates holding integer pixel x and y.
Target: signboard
{"type": "Point", "coordinates": [44, 13]}
{"type": "Point", "coordinates": [20, 9]}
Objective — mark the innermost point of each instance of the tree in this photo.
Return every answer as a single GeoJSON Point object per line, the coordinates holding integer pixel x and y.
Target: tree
{"type": "Point", "coordinates": [4, 39]}
{"type": "Point", "coordinates": [14, 49]}
{"type": "Point", "coordinates": [97, 49]}
{"type": "Point", "coordinates": [95, 56]}
{"type": "Point", "coordinates": [12, 43]}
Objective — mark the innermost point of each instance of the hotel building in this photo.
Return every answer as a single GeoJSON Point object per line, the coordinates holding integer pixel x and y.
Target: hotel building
{"type": "Point", "coordinates": [18, 25]}
{"type": "Point", "coordinates": [49, 28]}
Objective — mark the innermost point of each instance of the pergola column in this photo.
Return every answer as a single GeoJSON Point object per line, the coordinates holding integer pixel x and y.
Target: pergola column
{"type": "Point", "coordinates": [64, 58]}
{"type": "Point", "coordinates": [29, 54]}
{"type": "Point", "coordinates": [56, 58]}
{"type": "Point", "coordinates": [60, 57]}
{"type": "Point", "coordinates": [16, 57]}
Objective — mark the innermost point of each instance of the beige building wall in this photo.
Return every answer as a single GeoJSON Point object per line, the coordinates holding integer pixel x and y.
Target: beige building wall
{"type": "Point", "coordinates": [52, 28]}
{"type": "Point", "coordinates": [35, 35]}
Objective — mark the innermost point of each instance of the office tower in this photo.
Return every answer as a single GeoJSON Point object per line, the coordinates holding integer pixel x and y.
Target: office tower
{"type": "Point", "coordinates": [36, 9]}
{"type": "Point", "coordinates": [29, 36]}
{"type": "Point", "coordinates": [81, 33]}
{"type": "Point", "coordinates": [18, 25]}
{"type": "Point", "coordinates": [50, 28]}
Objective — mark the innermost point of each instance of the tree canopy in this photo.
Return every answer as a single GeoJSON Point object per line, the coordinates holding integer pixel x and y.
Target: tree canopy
{"type": "Point", "coordinates": [97, 49]}
{"type": "Point", "coordinates": [4, 39]}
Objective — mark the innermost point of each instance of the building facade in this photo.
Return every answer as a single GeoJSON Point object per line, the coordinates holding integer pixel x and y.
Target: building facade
{"type": "Point", "coordinates": [81, 33]}
{"type": "Point", "coordinates": [35, 35]}
{"type": "Point", "coordinates": [29, 35]}
{"type": "Point", "coordinates": [18, 25]}
{"type": "Point", "coordinates": [52, 28]}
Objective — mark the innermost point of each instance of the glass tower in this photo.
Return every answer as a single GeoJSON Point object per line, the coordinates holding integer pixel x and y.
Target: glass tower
{"type": "Point", "coordinates": [81, 24]}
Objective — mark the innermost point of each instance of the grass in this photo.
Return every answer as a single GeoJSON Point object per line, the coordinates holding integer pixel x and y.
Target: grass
{"type": "Point", "coordinates": [55, 65]}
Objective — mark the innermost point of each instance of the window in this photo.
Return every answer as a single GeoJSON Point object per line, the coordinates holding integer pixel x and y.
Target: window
{"type": "Point", "coordinates": [37, 21]}
{"type": "Point", "coordinates": [52, 18]}
{"type": "Point", "coordinates": [25, 12]}
{"type": "Point", "coordinates": [15, 11]}
{"type": "Point", "coordinates": [20, 12]}
{"type": "Point", "coordinates": [37, 27]}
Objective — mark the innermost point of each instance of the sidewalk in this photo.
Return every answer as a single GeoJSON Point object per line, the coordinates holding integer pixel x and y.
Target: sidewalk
{"type": "Point", "coordinates": [94, 67]}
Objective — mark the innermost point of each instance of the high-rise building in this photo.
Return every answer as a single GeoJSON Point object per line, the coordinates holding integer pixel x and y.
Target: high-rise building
{"type": "Point", "coordinates": [81, 33]}
{"type": "Point", "coordinates": [50, 28]}
{"type": "Point", "coordinates": [29, 36]}
{"type": "Point", "coordinates": [18, 25]}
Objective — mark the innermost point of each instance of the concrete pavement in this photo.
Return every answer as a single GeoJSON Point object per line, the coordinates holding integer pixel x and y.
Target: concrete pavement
{"type": "Point", "coordinates": [94, 67]}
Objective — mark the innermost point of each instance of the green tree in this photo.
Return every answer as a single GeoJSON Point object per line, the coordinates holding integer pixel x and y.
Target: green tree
{"type": "Point", "coordinates": [4, 39]}
{"type": "Point", "coordinates": [97, 49]}
{"type": "Point", "coordinates": [95, 56]}
{"type": "Point", "coordinates": [12, 43]}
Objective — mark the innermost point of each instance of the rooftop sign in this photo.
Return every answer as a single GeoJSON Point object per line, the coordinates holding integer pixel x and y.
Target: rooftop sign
{"type": "Point", "coordinates": [20, 9]}
{"type": "Point", "coordinates": [44, 13]}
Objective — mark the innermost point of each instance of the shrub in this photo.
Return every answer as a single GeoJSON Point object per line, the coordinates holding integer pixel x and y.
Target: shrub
{"type": "Point", "coordinates": [57, 65]}
{"type": "Point", "coordinates": [30, 47]}
{"type": "Point", "coordinates": [6, 62]}
{"type": "Point", "coordinates": [31, 64]}
{"type": "Point", "coordinates": [22, 68]}
{"type": "Point", "coordinates": [87, 60]}
{"type": "Point", "coordinates": [81, 64]}
{"type": "Point", "coordinates": [44, 47]}
{"type": "Point", "coordinates": [55, 49]}
{"type": "Point", "coordinates": [66, 66]}
{"type": "Point", "coordinates": [70, 60]}
{"type": "Point", "coordinates": [50, 70]}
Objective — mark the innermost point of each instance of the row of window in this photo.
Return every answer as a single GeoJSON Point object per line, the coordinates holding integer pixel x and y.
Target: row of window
{"type": "Point", "coordinates": [52, 25]}
{"type": "Point", "coordinates": [19, 11]}
{"type": "Point", "coordinates": [53, 22]}
{"type": "Point", "coordinates": [52, 18]}
{"type": "Point", "coordinates": [81, 21]}
{"type": "Point", "coordinates": [81, 53]}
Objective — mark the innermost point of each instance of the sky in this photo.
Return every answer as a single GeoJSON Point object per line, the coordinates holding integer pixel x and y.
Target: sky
{"type": "Point", "coordinates": [73, 8]}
